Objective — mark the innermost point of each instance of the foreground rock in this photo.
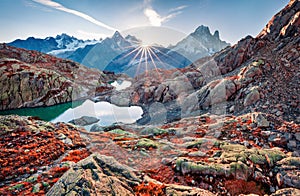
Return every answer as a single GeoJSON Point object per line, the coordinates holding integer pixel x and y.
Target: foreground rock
{"type": "Point", "coordinates": [205, 155]}
{"type": "Point", "coordinates": [96, 174]}
{"type": "Point", "coordinates": [34, 154]}
{"type": "Point", "coordinates": [248, 154]}
{"type": "Point", "coordinates": [103, 175]}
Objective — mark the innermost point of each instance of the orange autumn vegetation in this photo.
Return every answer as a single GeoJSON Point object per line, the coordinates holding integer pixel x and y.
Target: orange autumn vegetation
{"type": "Point", "coordinates": [77, 155]}
{"type": "Point", "coordinates": [149, 189]}
{"type": "Point", "coordinates": [237, 187]}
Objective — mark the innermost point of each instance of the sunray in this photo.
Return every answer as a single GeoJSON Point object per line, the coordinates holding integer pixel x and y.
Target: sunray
{"type": "Point", "coordinates": [176, 61]}
{"type": "Point", "coordinates": [163, 64]}
{"type": "Point", "coordinates": [130, 53]}
{"type": "Point", "coordinates": [146, 59]}
{"type": "Point", "coordinates": [141, 58]}
{"type": "Point", "coordinates": [149, 55]}
{"type": "Point", "coordinates": [155, 67]}
{"type": "Point", "coordinates": [135, 56]}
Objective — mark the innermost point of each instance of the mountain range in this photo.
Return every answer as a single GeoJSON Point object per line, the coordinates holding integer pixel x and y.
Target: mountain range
{"type": "Point", "coordinates": [102, 54]}
{"type": "Point", "coordinates": [61, 45]}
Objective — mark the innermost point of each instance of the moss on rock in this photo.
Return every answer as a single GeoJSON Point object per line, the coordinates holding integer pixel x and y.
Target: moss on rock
{"type": "Point", "coordinates": [153, 131]}
{"type": "Point", "coordinates": [203, 142]}
{"type": "Point", "coordinates": [122, 132]}
{"type": "Point", "coordinates": [292, 161]}
{"type": "Point", "coordinates": [147, 143]}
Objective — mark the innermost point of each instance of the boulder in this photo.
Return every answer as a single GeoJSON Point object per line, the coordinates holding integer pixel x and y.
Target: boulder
{"type": "Point", "coordinates": [252, 96]}
{"type": "Point", "coordinates": [260, 119]}
{"type": "Point", "coordinates": [96, 128]}
{"type": "Point", "coordinates": [96, 175]}
{"type": "Point", "coordinates": [84, 120]}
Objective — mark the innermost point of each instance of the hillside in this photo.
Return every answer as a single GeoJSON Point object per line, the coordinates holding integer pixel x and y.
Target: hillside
{"type": "Point", "coordinates": [31, 79]}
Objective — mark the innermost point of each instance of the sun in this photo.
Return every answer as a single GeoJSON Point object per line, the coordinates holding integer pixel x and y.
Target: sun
{"type": "Point", "coordinates": [146, 58]}
{"type": "Point", "coordinates": [145, 46]}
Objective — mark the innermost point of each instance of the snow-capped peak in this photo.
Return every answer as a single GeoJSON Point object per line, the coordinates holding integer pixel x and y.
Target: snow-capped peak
{"type": "Point", "coordinates": [66, 43]}
{"type": "Point", "coordinates": [200, 43]}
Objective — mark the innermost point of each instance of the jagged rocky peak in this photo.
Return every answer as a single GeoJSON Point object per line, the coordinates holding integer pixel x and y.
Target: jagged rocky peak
{"type": "Point", "coordinates": [66, 38]}
{"type": "Point", "coordinates": [200, 43]}
{"type": "Point", "coordinates": [117, 35]}
{"type": "Point", "coordinates": [217, 34]}
{"type": "Point", "coordinates": [202, 30]}
{"type": "Point", "coordinates": [286, 23]}
{"type": "Point", "coordinates": [63, 36]}
{"type": "Point", "coordinates": [29, 38]}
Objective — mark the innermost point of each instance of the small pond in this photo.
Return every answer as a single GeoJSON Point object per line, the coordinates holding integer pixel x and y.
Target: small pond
{"type": "Point", "coordinates": [106, 112]}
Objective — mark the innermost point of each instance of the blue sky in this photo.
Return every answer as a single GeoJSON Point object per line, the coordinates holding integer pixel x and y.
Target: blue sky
{"type": "Point", "coordinates": [88, 19]}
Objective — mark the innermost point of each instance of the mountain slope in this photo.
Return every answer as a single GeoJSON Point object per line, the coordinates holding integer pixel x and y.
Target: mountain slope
{"type": "Point", "coordinates": [30, 79]}
{"type": "Point", "coordinates": [138, 60]}
{"type": "Point", "coordinates": [200, 43]}
{"type": "Point", "coordinates": [101, 54]}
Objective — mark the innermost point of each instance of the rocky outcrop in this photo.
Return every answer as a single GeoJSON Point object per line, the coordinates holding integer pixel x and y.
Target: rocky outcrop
{"type": "Point", "coordinates": [284, 24]}
{"type": "Point", "coordinates": [31, 79]}
{"type": "Point", "coordinates": [34, 153]}
{"type": "Point", "coordinates": [254, 153]}
{"type": "Point", "coordinates": [103, 175]}
{"type": "Point", "coordinates": [94, 175]}
{"type": "Point", "coordinates": [287, 191]}
{"type": "Point", "coordinates": [246, 141]}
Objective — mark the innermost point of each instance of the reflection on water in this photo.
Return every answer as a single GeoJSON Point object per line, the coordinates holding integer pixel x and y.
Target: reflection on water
{"type": "Point", "coordinates": [106, 112]}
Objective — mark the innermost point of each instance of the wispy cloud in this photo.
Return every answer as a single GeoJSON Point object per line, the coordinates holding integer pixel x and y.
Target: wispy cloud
{"type": "Point", "coordinates": [178, 8]}
{"type": "Point", "coordinates": [60, 7]}
{"type": "Point", "coordinates": [156, 19]}
{"type": "Point", "coordinates": [29, 3]}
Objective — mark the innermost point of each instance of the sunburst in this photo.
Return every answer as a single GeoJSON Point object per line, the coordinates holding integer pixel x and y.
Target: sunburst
{"type": "Point", "coordinates": [147, 56]}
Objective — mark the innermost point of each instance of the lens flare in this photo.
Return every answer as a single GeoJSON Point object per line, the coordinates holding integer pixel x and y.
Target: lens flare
{"type": "Point", "coordinates": [147, 57]}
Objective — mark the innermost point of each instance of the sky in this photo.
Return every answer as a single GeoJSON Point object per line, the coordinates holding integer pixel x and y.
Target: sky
{"type": "Point", "coordinates": [95, 19]}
